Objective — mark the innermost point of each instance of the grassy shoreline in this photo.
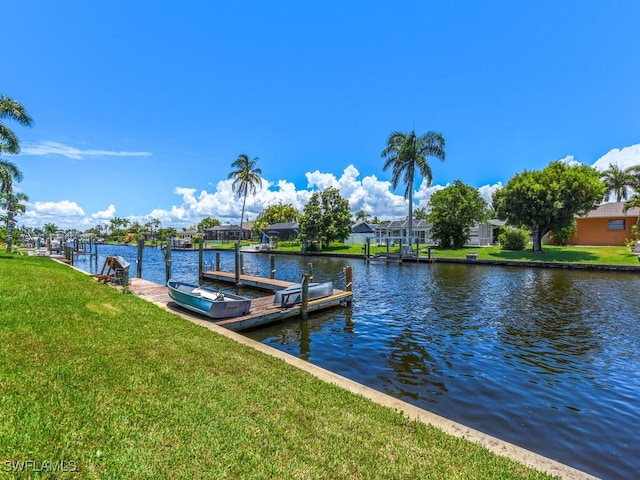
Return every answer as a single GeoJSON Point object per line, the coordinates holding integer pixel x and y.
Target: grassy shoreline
{"type": "Point", "coordinates": [619, 255]}
{"type": "Point", "coordinates": [123, 389]}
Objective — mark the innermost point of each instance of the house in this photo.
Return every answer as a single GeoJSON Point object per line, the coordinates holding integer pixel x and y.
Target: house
{"type": "Point", "coordinates": [606, 225]}
{"type": "Point", "coordinates": [283, 231]}
{"type": "Point", "coordinates": [360, 231]}
{"type": "Point", "coordinates": [481, 234]}
{"type": "Point", "coordinates": [184, 239]}
{"type": "Point", "coordinates": [227, 233]}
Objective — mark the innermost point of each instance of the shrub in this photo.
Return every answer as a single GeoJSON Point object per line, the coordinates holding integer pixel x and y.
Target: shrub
{"type": "Point", "coordinates": [562, 236]}
{"type": "Point", "coordinates": [514, 239]}
{"type": "Point", "coordinates": [290, 243]}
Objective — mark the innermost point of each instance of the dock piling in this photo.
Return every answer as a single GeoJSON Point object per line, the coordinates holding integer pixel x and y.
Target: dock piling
{"type": "Point", "coordinates": [167, 260]}
{"type": "Point", "coordinates": [236, 256]}
{"type": "Point", "coordinates": [348, 278]}
{"type": "Point", "coordinates": [272, 267]}
{"type": "Point", "coordinates": [139, 260]}
{"type": "Point", "coordinates": [200, 258]}
{"type": "Point", "coordinates": [304, 307]}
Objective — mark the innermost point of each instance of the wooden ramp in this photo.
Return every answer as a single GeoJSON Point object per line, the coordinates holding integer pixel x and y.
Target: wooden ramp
{"type": "Point", "coordinates": [262, 312]}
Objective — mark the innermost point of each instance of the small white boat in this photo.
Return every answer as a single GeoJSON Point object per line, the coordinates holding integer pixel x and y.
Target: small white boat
{"type": "Point", "coordinates": [208, 301]}
{"type": "Point", "coordinates": [293, 294]}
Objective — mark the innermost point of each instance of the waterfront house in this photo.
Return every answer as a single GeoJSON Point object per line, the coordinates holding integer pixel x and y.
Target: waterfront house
{"type": "Point", "coordinates": [360, 231]}
{"type": "Point", "coordinates": [283, 231]}
{"type": "Point", "coordinates": [184, 239]}
{"type": "Point", "coordinates": [607, 225]}
{"type": "Point", "coordinates": [228, 233]}
{"type": "Point", "coordinates": [395, 231]}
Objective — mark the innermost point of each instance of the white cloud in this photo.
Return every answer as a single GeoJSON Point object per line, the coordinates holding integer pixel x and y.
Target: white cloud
{"type": "Point", "coordinates": [321, 181]}
{"type": "Point", "coordinates": [487, 191]}
{"type": "Point", "coordinates": [107, 214]}
{"type": "Point", "coordinates": [370, 194]}
{"type": "Point", "coordinates": [37, 214]}
{"type": "Point", "coordinates": [570, 161]}
{"type": "Point", "coordinates": [627, 157]}
{"type": "Point", "coordinates": [55, 148]}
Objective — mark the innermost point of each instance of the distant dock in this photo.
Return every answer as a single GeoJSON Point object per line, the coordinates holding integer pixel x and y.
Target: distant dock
{"type": "Point", "coordinates": [262, 312]}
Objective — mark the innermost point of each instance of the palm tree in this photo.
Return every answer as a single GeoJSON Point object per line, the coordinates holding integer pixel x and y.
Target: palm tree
{"type": "Point", "coordinates": [9, 173]}
{"type": "Point", "coordinates": [405, 152]}
{"type": "Point", "coordinates": [617, 182]}
{"type": "Point", "coordinates": [246, 179]}
{"type": "Point", "coordinates": [13, 110]}
{"type": "Point", "coordinates": [634, 173]}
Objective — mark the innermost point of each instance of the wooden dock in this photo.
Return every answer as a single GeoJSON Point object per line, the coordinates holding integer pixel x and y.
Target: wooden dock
{"type": "Point", "coordinates": [270, 284]}
{"type": "Point", "coordinates": [262, 312]}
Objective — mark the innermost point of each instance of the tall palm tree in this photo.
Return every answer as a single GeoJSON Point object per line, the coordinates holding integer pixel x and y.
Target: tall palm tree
{"type": "Point", "coordinates": [9, 173]}
{"type": "Point", "coordinates": [617, 181]}
{"type": "Point", "coordinates": [404, 153]}
{"type": "Point", "coordinates": [246, 179]}
{"type": "Point", "coordinates": [13, 110]}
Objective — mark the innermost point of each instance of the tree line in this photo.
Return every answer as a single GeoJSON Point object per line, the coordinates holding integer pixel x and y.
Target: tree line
{"type": "Point", "coordinates": [542, 202]}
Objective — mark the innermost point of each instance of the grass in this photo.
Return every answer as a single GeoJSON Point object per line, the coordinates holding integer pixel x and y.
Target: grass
{"type": "Point", "coordinates": [569, 254]}
{"type": "Point", "coordinates": [550, 253]}
{"type": "Point", "coordinates": [123, 389]}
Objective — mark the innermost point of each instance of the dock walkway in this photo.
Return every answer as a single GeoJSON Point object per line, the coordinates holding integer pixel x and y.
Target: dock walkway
{"type": "Point", "coordinates": [262, 283]}
{"type": "Point", "coordinates": [262, 312]}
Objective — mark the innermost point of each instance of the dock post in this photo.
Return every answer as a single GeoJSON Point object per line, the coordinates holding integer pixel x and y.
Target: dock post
{"type": "Point", "coordinates": [272, 267]}
{"type": "Point", "coordinates": [217, 261]}
{"type": "Point", "coordinates": [304, 307]}
{"type": "Point", "coordinates": [417, 249]}
{"type": "Point", "coordinates": [125, 281]}
{"type": "Point", "coordinates": [348, 278]}
{"type": "Point", "coordinates": [241, 264]}
{"type": "Point", "coordinates": [310, 272]}
{"type": "Point", "coordinates": [236, 254]}
{"type": "Point", "coordinates": [139, 265]}
{"type": "Point", "coordinates": [167, 260]}
{"type": "Point", "coordinates": [200, 258]}
{"type": "Point", "coordinates": [367, 250]}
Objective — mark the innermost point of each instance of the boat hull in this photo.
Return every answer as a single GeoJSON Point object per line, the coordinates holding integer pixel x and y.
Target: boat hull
{"type": "Point", "coordinates": [293, 294]}
{"type": "Point", "coordinates": [209, 302]}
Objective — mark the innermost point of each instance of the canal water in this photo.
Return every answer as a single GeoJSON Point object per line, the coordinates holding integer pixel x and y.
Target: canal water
{"type": "Point", "coordinates": [548, 359]}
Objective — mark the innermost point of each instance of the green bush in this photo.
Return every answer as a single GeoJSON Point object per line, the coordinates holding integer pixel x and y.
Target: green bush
{"type": "Point", "coordinates": [514, 239]}
{"type": "Point", "coordinates": [291, 243]}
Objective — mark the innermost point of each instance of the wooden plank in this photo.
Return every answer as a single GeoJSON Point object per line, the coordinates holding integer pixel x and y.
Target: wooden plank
{"type": "Point", "coordinates": [248, 280]}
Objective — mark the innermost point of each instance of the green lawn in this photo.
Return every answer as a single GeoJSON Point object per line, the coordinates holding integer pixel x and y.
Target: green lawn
{"type": "Point", "coordinates": [124, 389]}
{"type": "Point", "coordinates": [571, 254]}
{"type": "Point", "coordinates": [550, 253]}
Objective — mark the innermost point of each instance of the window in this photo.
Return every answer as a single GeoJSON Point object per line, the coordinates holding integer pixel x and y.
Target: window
{"type": "Point", "coordinates": [616, 224]}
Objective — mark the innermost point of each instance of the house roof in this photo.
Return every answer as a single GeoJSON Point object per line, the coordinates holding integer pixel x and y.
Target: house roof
{"type": "Point", "coordinates": [612, 209]}
{"type": "Point", "coordinates": [283, 226]}
{"type": "Point", "coordinates": [362, 227]}
{"type": "Point", "coordinates": [224, 228]}
{"type": "Point", "coordinates": [402, 224]}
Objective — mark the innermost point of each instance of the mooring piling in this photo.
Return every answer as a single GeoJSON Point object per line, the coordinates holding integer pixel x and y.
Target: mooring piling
{"type": "Point", "coordinates": [139, 259]}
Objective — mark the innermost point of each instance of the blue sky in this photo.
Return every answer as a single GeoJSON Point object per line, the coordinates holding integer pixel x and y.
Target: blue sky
{"type": "Point", "coordinates": [141, 107]}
